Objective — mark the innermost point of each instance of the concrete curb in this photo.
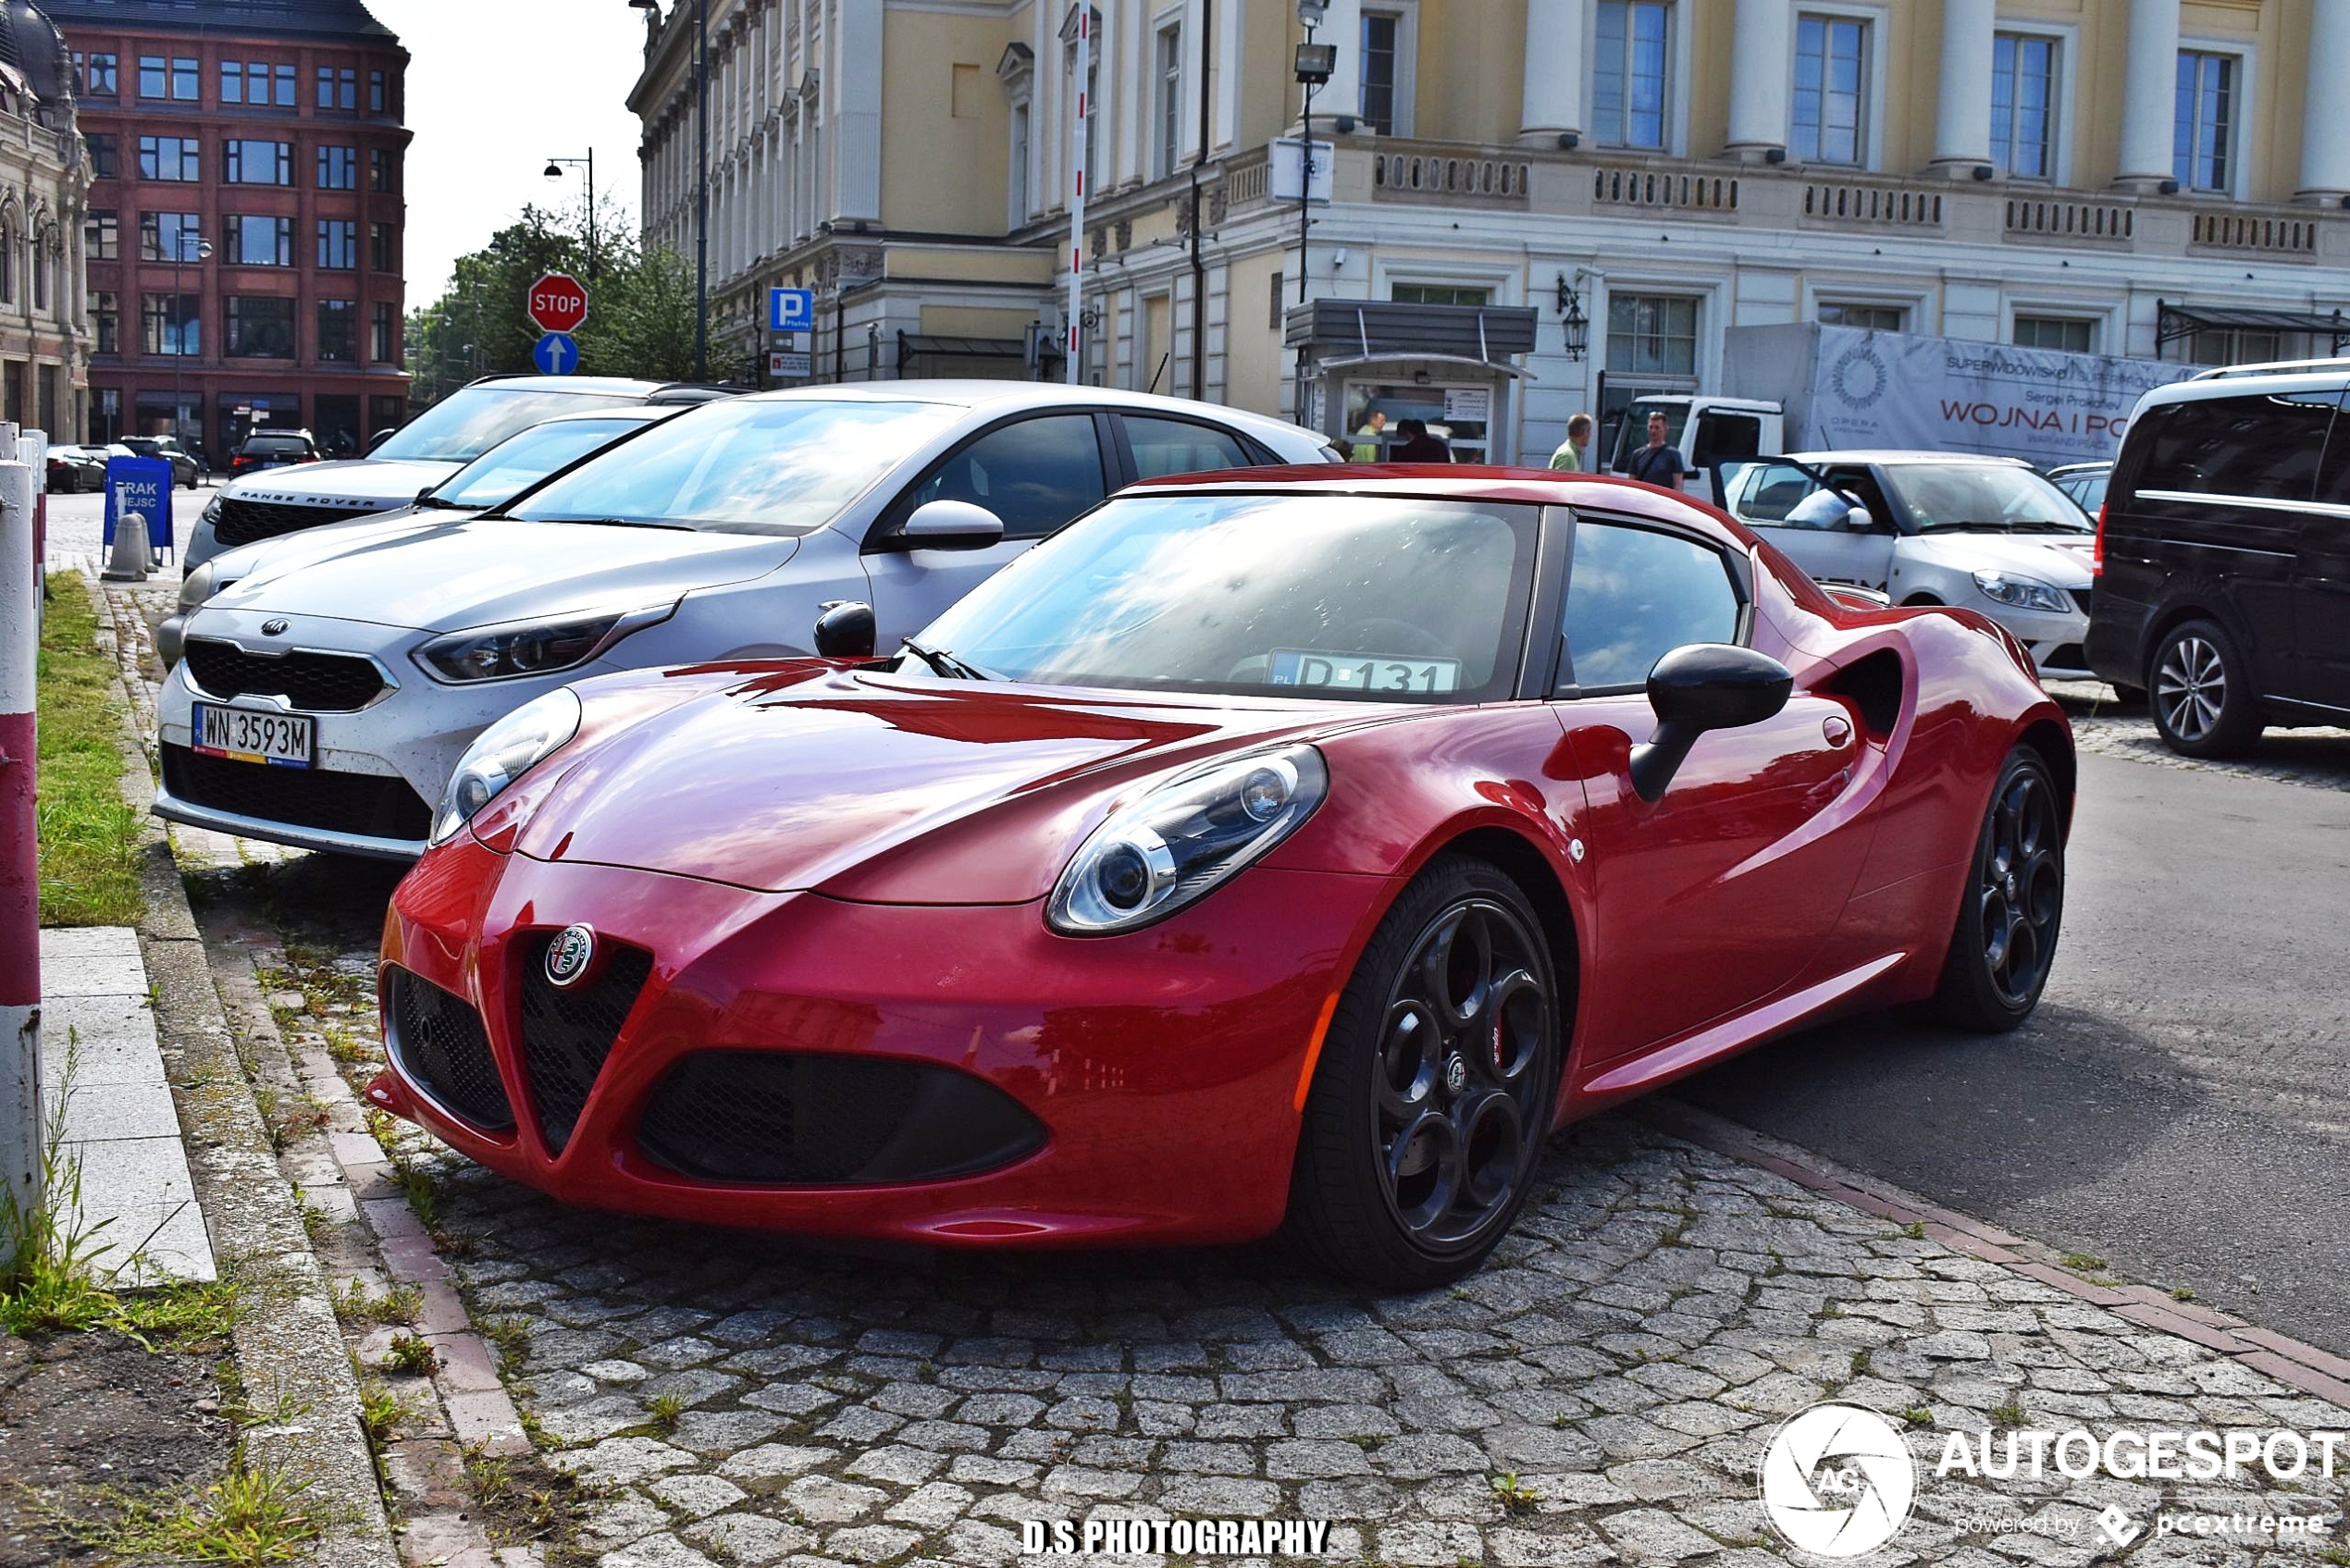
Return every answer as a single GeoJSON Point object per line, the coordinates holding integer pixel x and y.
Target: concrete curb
{"type": "Point", "coordinates": [2300, 1366]}
{"type": "Point", "coordinates": [287, 1341]}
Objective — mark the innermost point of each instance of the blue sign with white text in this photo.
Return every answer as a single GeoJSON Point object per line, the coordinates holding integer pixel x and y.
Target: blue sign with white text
{"type": "Point", "coordinates": [791, 310]}
{"type": "Point", "coordinates": [555, 354]}
{"type": "Point", "coordinates": [142, 485]}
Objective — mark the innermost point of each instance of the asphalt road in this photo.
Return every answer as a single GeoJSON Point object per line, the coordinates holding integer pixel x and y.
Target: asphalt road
{"type": "Point", "coordinates": [2180, 1106]}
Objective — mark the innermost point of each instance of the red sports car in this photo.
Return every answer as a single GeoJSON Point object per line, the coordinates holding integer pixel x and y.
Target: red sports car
{"type": "Point", "coordinates": [1297, 845]}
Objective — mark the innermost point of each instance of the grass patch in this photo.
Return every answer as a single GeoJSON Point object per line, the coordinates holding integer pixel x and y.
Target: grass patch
{"type": "Point", "coordinates": [89, 833]}
{"type": "Point", "coordinates": [666, 1409]}
{"type": "Point", "coordinates": [249, 1516]}
{"type": "Point", "coordinates": [2084, 1262]}
{"type": "Point", "coordinates": [411, 1355]}
{"type": "Point", "coordinates": [355, 1304]}
{"type": "Point", "coordinates": [1515, 1495]}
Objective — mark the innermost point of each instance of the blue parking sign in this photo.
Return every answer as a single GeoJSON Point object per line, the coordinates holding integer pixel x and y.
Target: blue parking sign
{"type": "Point", "coordinates": [142, 485]}
{"type": "Point", "coordinates": [791, 310]}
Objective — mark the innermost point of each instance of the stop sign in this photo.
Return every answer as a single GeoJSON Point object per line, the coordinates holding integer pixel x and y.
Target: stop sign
{"type": "Point", "coordinates": [557, 303]}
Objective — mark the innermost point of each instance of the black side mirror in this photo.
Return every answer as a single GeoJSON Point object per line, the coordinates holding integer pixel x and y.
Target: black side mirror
{"type": "Point", "coordinates": [1705, 686]}
{"type": "Point", "coordinates": [845, 630]}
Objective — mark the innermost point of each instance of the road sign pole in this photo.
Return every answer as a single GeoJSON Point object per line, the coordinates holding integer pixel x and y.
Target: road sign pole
{"type": "Point", "coordinates": [19, 854]}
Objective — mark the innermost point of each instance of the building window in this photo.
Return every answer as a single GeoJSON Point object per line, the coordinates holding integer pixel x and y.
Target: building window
{"type": "Point", "coordinates": [2075, 335]}
{"type": "Point", "coordinates": [100, 75]}
{"type": "Point", "coordinates": [1631, 78]}
{"type": "Point", "coordinates": [260, 327]}
{"type": "Point", "coordinates": [383, 333]}
{"type": "Point", "coordinates": [259, 242]}
{"type": "Point", "coordinates": [106, 321]}
{"type": "Point", "coordinates": [338, 89]}
{"type": "Point", "coordinates": [381, 253]}
{"type": "Point", "coordinates": [102, 235]}
{"type": "Point", "coordinates": [175, 158]}
{"type": "Point", "coordinates": [1169, 77]}
{"type": "Point", "coordinates": [2243, 345]}
{"type": "Point", "coordinates": [383, 169]}
{"type": "Point", "coordinates": [337, 329]}
{"type": "Point", "coordinates": [248, 82]}
{"type": "Point", "coordinates": [338, 169]}
{"type": "Point", "coordinates": [154, 77]}
{"type": "Point", "coordinates": [2203, 149]}
{"type": "Point", "coordinates": [42, 262]}
{"type": "Point", "coordinates": [338, 243]}
{"type": "Point", "coordinates": [1869, 318]}
{"type": "Point", "coordinates": [2023, 82]}
{"type": "Point", "coordinates": [379, 95]}
{"type": "Point", "coordinates": [1831, 89]}
{"type": "Point", "coordinates": [170, 236]}
{"type": "Point", "coordinates": [171, 325]}
{"type": "Point", "coordinates": [258, 162]}
{"type": "Point", "coordinates": [286, 98]}
{"type": "Point", "coordinates": [106, 155]}
{"type": "Point", "coordinates": [1652, 334]}
{"type": "Point", "coordinates": [1382, 60]}
{"type": "Point", "coordinates": [1438, 294]}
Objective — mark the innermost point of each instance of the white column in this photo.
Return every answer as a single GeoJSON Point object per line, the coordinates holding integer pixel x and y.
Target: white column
{"type": "Point", "coordinates": [2150, 94]}
{"type": "Point", "coordinates": [1231, 27]}
{"type": "Point", "coordinates": [1552, 102]}
{"type": "Point", "coordinates": [1762, 46]}
{"type": "Point", "coordinates": [1342, 94]}
{"type": "Point", "coordinates": [857, 110]}
{"type": "Point", "coordinates": [1125, 92]}
{"type": "Point", "coordinates": [2325, 130]}
{"type": "Point", "coordinates": [1194, 24]}
{"type": "Point", "coordinates": [1962, 107]}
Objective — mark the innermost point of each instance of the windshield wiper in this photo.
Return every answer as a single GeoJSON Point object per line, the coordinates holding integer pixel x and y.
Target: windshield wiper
{"type": "Point", "coordinates": [433, 501]}
{"type": "Point", "coordinates": [1966, 528]}
{"type": "Point", "coordinates": [614, 521]}
{"type": "Point", "coordinates": [944, 664]}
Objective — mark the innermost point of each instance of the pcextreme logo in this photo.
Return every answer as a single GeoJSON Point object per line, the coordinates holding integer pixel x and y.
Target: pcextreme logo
{"type": "Point", "coordinates": [1837, 1480]}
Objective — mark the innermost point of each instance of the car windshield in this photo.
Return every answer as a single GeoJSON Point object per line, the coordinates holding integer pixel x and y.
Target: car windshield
{"type": "Point", "coordinates": [519, 462]}
{"type": "Point", "coordinates": [1982, 497]}
{"type": "Point", "coordinates": [743, 466]}
{"type": "Point", "coordinates": [464, 425]}
{"type": "Point", "coordinates": [1303, 595]}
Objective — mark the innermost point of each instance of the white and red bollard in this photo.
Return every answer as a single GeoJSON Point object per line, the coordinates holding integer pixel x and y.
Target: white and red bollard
{"type": "Point", "coordinates": [19, 860]}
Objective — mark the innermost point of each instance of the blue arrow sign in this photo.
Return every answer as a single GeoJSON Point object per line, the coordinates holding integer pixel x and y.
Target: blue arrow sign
{"type": "Point", "coordinates": [791, 310]}
{"type": "Point", "coordinates": [555, 354]}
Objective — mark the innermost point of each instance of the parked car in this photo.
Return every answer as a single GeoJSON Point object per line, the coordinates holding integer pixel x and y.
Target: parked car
{"type": "Point", "coordinates": [75, 470]}
{"type": "Point", "coordinates": [186, 469]}
{"type": "Point", "coordinates": [496, 476]}
{"type": "Point", "coordinates": [265, 450]}
{"type": "Point", "coordinates": [2223, 561]}
{"type": "Point", "coordinates": [324, 704]}
{"type": "Point", "coordinates": [434, 445]}
{"type": "Point", "coordinates": [1258, 850]}
{"type": "Point", "coordinates": [2085, 482]}
{"type": "Point", "coordinates": [1987, 532]}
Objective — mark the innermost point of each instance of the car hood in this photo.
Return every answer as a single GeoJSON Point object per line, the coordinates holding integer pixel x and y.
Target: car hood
{"type": "Point", "coordinates": [2060, 561]}
{"type": "Point", "coordinates": [867, 786]}
{"type": "Point", "coordinates": [488, 570]}
{"type": "Point", "coordinates": [260, 561]}
{"type": "Point", "coordinates": [392, 482]}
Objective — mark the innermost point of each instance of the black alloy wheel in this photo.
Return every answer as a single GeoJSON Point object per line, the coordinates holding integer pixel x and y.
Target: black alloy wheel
{"type": "Point", "coordinates": [1434, 1093]}
{"type": "Point", "coordinates": [2203, 702]}
{"type": "Point", "coordinates": [2006, 939]}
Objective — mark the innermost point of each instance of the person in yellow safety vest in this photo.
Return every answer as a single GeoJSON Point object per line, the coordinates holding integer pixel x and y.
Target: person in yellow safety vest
{"type": "Point", "coordinates": [1578, 436]}
{"type": "Point", "coordinates": [1367, 438]}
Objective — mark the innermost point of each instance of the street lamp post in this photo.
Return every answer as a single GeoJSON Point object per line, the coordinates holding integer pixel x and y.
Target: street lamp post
{"type": "Point", "coordinates": [182, 242]}
{"type": "Point", "coordinates": [555, 171]}
{"type": "Point", "coordinates": [701, 178]}
{"type": "Point", "coordinates": [1315, 64]}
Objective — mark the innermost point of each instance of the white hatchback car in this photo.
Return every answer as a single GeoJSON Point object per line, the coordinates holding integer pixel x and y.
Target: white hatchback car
{"type": "Point", "coordinates": [1923, 527]}
{"type": "Point", "coordinates": [325, 703]}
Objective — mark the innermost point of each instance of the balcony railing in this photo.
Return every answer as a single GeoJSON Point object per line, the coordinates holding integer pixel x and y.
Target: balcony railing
{"type": "Point", "coordinates": [1449, 176]}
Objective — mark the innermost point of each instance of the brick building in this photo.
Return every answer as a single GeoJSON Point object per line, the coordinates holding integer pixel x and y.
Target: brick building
{"type": "Point", "coordinates": [244, 226]}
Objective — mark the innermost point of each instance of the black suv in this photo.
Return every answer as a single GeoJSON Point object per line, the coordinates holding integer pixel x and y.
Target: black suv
{"type": "Point", "coordinates": [2223, 556]}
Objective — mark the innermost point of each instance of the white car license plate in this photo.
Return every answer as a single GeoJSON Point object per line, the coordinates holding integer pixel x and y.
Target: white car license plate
{"type": "Point", "coordinates": [1362, 671]}
{"type": "Point", "coordinates": [247, 735]}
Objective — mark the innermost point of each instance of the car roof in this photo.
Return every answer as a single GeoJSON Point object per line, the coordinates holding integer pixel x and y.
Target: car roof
{"type": "Point", "coordinates": [2071, 468]}
{"type": "Point", "coordinates": [1007, 396]}
{"type": "Point", "coordinates": [1892, 459]}
{"type": "Point", "coordinates": [2249, 380]}
{"type": "Point", "coordinates": [606, 386]}
{"type": "Point", "coordinates": [643, 412]}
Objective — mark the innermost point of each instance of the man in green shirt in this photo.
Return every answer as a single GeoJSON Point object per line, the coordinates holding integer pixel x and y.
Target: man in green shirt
{"type": "Point", "coordinates": [1578, 436]}
{"type": "Point", "coordinates": [1367, 438]}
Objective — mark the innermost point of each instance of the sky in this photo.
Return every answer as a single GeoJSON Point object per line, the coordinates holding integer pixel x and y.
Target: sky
{"type": "Point", "coordinates": [495, 89]}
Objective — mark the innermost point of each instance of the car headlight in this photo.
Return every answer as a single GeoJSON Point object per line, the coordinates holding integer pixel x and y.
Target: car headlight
{"type": "Point", "coordinates": [1160, 853]}
{"type": "Point", "coordinates": [538, 647]}
{"type": "Point", "coordinates": [503, 753]}
{"type": "Point", "coordinates": [211, 510]}
{"type": "Point", "coordinates": [2022, 593]}
{"type": "Point", "coordinates": [198, 586]}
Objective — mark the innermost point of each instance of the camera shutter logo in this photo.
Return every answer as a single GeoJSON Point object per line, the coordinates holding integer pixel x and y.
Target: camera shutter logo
{"type": "Point", "coordinates": [1837, 1480]}
{"type": "Point", "coordinates": [569, 956]}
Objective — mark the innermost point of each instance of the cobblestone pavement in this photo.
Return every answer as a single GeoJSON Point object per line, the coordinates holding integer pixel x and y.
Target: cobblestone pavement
{"type": "Point", "coordinates": [1600, 1392]}
{"type": "Point", "coordinates": [2319, 758]}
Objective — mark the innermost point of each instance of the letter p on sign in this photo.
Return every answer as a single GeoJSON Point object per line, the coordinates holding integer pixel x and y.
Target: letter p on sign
{"type": "Point", "coordinates": [557, 303]}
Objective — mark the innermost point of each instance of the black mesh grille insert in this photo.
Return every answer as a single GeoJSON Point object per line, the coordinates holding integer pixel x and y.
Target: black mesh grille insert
{"type": "Point", "coordinates": [327, 682]}
{"type": "Point", "coordinates": [779, 1118]}
{"type": "Point", "coordinates": [438, 1042]}
{"type": "Point", "coordinates": [2082, 598]}
{"type": "Point", "coordinates": [566, 1032]}
{"type": "Point", "coordinates": [302, 797]}
{"type": "Point", "coordinates": [241, 521]}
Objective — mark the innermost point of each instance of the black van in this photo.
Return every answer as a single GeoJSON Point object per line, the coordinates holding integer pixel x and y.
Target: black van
{"type": "Point", "coordinates": [2223, 556]}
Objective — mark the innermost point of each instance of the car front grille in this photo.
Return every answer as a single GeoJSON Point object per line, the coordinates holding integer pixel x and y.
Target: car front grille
{"type": "Point", "coordinates": [567, 1032]}
{"type": "Point", "coordinates": [324, 683]}
{"type": "Point", "coordinates": [360, 804]}
{"type": "Point", "coordinates": [438, 1044]}
{"type": "Point", "coordinates": [241, 521]}
{"type": "Point", "coordinates": [2081, 599]}
{"type": "Point", "coordinates": [808, 1118]}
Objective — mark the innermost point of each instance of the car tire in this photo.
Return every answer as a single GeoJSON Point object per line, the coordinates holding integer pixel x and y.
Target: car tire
{"type": "Point", "coordinates": [2201, 695]}
{"type": "Point", "coordinates": [2004, 943]}
{"type": "Point", "coordinates": [1418, 1147]}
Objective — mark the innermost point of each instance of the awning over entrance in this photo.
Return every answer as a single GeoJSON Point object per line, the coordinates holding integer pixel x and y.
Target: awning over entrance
{"type": "Point", "coordinates": [1353, 332]}
{"type": "Point", "coordinates": [946, 354]}
{"type": "Point", "coordinates": [2173, 322]}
